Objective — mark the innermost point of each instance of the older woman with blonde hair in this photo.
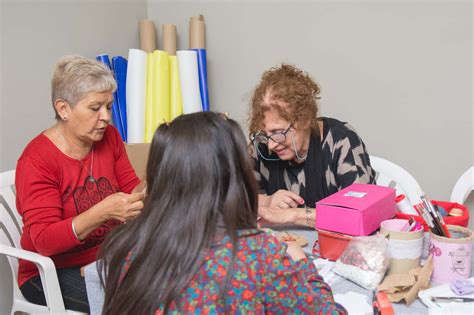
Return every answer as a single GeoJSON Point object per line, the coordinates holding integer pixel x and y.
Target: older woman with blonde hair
{"type": "Point", "coordinates": [74, 181]}
{"type": "Point", "coordinates": [299, 157]}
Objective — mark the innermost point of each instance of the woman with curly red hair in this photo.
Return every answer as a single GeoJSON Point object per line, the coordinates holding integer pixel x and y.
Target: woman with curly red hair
{"type": "Point", "coordinates": [300, 157]}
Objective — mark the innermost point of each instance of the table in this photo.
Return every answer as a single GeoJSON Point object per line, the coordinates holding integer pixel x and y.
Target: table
{"type": "Point", "coordinates": [338, 284]}
{"type": "Point", "coordinates": [341, 285]}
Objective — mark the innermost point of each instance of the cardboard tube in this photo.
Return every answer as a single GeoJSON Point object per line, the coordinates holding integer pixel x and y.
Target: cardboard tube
{"type": "Point", "coordinates": [200, 17]}
{"type": "Point", "coordinates": [396, 240]}
{"type": "Point", "coordinates": [176, 105]}
{"type": "Point", "coordinates": [169, 39]}
{"type": "Point", "coordinates": [147, 36]}
{"type": "Point", "coordinates": [197, 33]}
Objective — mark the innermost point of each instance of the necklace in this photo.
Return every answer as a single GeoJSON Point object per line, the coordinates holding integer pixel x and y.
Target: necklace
{"type": "Point", "coordinates": [91, 168]}
{"type": "Point", "coordinates": [90, 178]}
{"type": "Point", "coordinates": [299, 157]}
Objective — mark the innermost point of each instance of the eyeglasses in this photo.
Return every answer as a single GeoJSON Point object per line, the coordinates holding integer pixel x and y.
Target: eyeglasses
{"type": "Point", "coordinates": [277, 137]}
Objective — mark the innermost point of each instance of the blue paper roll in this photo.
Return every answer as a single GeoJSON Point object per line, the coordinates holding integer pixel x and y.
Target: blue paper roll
{"type": "Point", "coordinates": [104, 58]}
{"type": "Point", "coordinates": [119, 65]}
{"type": "Point", "coordinates": [202, 68]}
{"type": "Point", "coordinates": [116, 120]}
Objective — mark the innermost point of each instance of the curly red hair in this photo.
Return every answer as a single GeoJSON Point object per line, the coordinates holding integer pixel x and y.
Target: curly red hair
{"type": "Point", "coordinates": [291, 85]}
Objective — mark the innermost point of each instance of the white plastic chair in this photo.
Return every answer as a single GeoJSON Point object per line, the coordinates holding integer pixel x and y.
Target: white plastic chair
{"type": "Point", "coordinates": [392, 175]}
{"type": "Point", "coordinates": [463, 186]}
{"type": "Point", "coordinates": [10, 232]}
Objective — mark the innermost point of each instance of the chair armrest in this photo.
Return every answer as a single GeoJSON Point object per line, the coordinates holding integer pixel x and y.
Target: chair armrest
{"type": "Point", "coordinates": [48, 274]}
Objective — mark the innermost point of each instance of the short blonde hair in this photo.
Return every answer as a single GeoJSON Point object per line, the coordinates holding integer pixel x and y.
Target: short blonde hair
{"type": "Point", "coordinates": [76, 76]}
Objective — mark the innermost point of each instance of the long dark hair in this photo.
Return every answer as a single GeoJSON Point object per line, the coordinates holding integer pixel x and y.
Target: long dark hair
{"type": "Point", "coordinates": [199, 184]}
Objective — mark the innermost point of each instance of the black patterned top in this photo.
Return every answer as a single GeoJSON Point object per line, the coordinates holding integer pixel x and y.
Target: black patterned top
{"type": "Point", "coordinates": [335, 162]}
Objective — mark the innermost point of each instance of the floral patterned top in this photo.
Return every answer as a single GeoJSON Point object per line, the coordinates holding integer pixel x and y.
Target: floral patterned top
{"type": "Point", "coordinates": [265, 281]}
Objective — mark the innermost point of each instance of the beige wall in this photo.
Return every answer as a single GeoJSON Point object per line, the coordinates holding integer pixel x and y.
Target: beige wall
{"type": "Point", "coordinates": [398, 71]}
{"type": "Point", "coordinates": [34, 34]}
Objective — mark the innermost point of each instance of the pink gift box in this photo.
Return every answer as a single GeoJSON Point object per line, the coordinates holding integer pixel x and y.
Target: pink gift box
{"type": "Point", "coordinates": [356, 210]}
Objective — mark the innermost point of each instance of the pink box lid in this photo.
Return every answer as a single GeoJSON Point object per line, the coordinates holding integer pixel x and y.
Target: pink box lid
{"type": "Point", "coordinates": [357, 196]}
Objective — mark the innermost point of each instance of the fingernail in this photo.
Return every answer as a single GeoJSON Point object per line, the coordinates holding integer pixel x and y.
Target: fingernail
{"type": "Point", "coordinates": [301, 201]}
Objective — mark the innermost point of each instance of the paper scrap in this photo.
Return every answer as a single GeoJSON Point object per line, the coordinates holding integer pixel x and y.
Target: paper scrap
{"type": "Point", "coordinates": [397, 288]}
{"type": "Point", "coordinates": [354, 303]}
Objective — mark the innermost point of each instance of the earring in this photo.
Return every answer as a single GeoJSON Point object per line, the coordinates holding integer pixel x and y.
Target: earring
{"type": "Point", "coordinates": [65, 118]}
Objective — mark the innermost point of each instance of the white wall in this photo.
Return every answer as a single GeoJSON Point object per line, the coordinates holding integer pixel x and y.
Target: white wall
{"type": "Point", "coordinates": [34, 34]}
{"type": "Point", "coordinates": [398, 71]}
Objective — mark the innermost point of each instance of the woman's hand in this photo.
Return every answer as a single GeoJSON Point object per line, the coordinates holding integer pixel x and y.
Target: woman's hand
{"type": "Point", "coordinates": [274, 215]}
{"type": "Point", "coordinates": [121, 206]}
{"type": "Point", "coordinates": [298, 216]}
{"type": "Point", "coordinates": [284, 199]}
{"type": "Point", "coordinates": [295, 251]}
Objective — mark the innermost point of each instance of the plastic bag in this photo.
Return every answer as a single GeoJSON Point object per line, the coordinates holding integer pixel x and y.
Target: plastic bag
{"type": "Point", "coordinates": [364, 261]}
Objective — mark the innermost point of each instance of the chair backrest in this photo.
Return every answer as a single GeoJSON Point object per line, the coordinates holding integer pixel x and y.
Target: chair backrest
{"type": "Point", "coordinates": [10, 220]}
{"type": "Point", "coordinates": [463, 186]}
{"type": "Point", "coordinates": [392, 175]}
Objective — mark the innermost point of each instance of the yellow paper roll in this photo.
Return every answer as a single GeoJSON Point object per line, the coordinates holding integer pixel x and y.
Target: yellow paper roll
{"type": "Point", "coordinates": [176, 106]}
{"type": "Point", "coordinates": [161, 85]}
{"type": "Point", "coordinates": [149, 130]}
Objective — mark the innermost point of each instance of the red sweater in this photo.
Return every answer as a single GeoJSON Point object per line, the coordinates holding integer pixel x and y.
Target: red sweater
{"type": "Point", "coordinates": [52, 188]}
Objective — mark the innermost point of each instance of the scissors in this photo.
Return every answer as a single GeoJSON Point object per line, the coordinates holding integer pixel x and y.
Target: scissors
{"type": "Point", "coordinates": [447, 299]}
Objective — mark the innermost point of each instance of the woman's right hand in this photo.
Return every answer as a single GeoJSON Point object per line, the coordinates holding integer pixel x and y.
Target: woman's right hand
{"type": "Point", "coordinates": [284, 199]}
{"type": "Point", "coordinates": [121, 206]}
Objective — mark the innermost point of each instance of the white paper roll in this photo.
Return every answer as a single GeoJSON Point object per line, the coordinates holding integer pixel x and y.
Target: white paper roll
{"type": "Point", "coordinates": [189, 79]}
{"type": "Point", "coordinates": [136, 93]}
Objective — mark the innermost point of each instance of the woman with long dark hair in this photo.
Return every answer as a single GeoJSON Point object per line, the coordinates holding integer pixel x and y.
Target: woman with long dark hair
{"type": "Point", "coordinates": [196, 247]}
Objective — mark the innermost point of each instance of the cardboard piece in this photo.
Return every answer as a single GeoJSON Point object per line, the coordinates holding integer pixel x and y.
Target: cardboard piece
{"type": "Point", "coordinates": [406, 286]}
{"type": "Point", "coordinates": [138, 156]}
{"type": "Point", "coordinates": [356, 210]}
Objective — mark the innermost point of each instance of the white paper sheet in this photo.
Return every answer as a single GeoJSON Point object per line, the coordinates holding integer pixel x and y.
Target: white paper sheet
{"type": "Point", "coordinates": [354, 303]}
{"type": "Point", "coordinates": [445, 308]}
{"type": "Point", "coordinates": [324, 269]}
